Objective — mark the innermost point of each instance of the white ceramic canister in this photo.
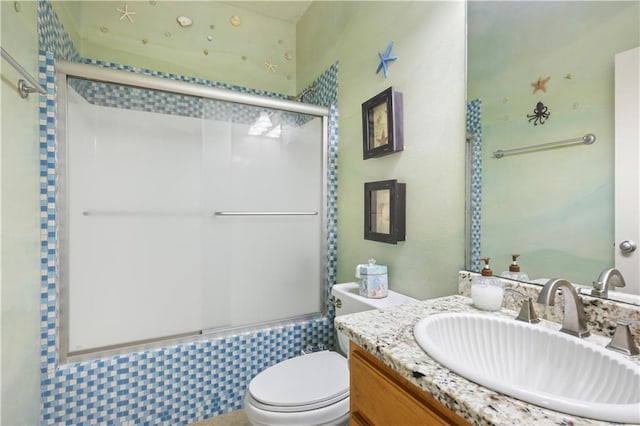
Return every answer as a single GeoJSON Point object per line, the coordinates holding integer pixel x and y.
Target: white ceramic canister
{"type": "Point", "coordinates": [372, 280]}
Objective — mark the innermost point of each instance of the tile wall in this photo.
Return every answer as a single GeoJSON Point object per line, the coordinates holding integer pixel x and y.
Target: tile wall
{"type": "Point", "coordinates": [474, 128]}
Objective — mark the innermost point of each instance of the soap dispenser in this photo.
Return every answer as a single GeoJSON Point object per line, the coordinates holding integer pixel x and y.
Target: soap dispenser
{"type": "Point", "coordinates": [487, 291]}
{"type": "Point", "coordinates": [514, 270]}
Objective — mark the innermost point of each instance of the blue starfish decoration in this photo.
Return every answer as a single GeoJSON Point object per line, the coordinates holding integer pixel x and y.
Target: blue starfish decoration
{"type": "Point", "coordinates": [384, 59]}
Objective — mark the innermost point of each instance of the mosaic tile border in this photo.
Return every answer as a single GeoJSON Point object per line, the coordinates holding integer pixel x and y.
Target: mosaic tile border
{"type": "Point", "coordinates": [182, 78]}
{"type": "Point", "coordinates": [52, 36]}
{"type": "Point", "coordinates": [474, 126]}
{"type": "Point", "coordinates": [114, 95]}
{"type": "Point", "coordinates": [48, 235]}
{"type": "Point", "coordinates": [140, 99]}
{"type": "Point", "coordinates": [176, 384]}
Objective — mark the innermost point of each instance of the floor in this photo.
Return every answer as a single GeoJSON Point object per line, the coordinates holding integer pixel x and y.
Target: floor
{"type": "Point", "coordinates": [236, 418]}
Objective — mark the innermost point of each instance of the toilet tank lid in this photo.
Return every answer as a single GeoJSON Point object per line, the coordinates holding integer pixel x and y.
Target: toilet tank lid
{"type": "Point", "coordinates": [351, 290]}
{"type": "Point", "coordinates": [303, 380]}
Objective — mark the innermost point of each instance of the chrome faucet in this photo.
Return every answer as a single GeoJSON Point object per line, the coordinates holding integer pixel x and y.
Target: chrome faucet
{"type": "Point", "coordinates": [607, 279]}
{"type": "Point", "coordinates": [573, 321]}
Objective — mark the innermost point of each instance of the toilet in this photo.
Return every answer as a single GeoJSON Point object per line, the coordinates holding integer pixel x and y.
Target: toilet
{"type": "Point", "coordinates": [312, 389]}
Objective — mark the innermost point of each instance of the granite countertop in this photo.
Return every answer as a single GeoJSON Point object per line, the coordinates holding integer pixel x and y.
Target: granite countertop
{"type": "Point", "coordinates": [388, 335]}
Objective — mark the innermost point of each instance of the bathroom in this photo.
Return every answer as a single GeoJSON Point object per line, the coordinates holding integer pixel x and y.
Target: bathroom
{"type": "Point", "coordinates": [430, 44]}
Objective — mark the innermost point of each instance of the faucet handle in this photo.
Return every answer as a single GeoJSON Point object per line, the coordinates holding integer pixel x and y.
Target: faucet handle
{"type": "Point", "coordinates": [622, 340]}
{"type": "Point", "coordinates": [527, 312]}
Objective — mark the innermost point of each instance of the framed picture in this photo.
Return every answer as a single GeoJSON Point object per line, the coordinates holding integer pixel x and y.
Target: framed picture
{"type": "Point", "coordinates": [382, 124]}
{"type": "Point", "coordinates": [384, 211]}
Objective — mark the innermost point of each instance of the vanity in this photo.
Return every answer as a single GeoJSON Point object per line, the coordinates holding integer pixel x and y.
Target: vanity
{"type": "Point", "coordinates": [394, 381]}
{"type": "Point", "coordinates": [379, 395]}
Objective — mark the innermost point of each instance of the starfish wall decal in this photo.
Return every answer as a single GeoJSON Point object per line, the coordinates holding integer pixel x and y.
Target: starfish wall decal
{"type": "Point", "coordinates": [540, 85]}
{"type": "Point", "coordinates": [126, 13]}
{"type": "Point", "coordinates": [384, 59]}
{"type": "Point", "coordinates": [270, 66]}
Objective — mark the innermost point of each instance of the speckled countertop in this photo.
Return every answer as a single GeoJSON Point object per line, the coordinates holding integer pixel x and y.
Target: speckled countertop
{"type": "Point", "coordinates": [388, 334]}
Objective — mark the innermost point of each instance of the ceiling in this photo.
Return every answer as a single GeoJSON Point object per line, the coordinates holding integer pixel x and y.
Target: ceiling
{"type": "Point", "coordinates": [289, 11]}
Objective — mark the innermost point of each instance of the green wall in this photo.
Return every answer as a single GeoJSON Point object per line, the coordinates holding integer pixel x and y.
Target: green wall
{"type": "Point", "coordinates": [554, 207]}
{"type": "Point", "coordinates": [20, 223]}
{"type": "Point", "coordinates": [430, 45]}
{"type": "Point", "coordinates": [235, 55]}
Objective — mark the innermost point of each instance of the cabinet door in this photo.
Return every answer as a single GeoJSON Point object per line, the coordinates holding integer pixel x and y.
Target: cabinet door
{"type": "Point", "coordinates": [380, 396]}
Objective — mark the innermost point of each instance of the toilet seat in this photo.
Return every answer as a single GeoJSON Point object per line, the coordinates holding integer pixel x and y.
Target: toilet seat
{"type": "Point", "coordinates": [332, 415]}
{"type": "Point", "coordinates": [303, 383]}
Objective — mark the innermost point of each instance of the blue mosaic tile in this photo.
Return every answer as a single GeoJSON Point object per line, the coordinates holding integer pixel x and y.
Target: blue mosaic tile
{"type": "Point", "coordinates": [52, 36]}
{"type": "Point", "coordinates": [176, 384]}
{"type": "Point", "coordinates": [125, 97]}
{"type": "Point", "coordinates": [474, 126]}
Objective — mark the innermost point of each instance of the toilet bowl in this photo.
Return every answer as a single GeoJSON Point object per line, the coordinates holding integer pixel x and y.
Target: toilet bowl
{"type": "Point", "coordinates": [312, 389]}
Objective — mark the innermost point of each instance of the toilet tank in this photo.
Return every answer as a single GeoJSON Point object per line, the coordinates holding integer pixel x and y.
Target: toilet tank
{"type": "Point", "coordinates": [351, 301]}
{"type": "Point", "coordinates": [348, 301]}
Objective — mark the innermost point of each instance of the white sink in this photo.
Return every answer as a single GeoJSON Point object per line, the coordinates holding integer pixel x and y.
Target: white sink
{"type": "Point", "coordinates": [534, 364]}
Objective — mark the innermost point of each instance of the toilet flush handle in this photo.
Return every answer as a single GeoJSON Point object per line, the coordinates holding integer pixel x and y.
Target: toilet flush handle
{"type": "Point", "coordinates": [335, 302]}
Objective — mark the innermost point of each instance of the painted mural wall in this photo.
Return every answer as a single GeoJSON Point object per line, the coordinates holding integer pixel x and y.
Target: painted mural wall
{"type": "Point", "coordinates": [554, 207]}
{"type": "Point", "coordinates": [253, 50]}
{"type": "Point", "coordinates": [20, 226]}
{"type": "Point", "coordinates": [429, 41]}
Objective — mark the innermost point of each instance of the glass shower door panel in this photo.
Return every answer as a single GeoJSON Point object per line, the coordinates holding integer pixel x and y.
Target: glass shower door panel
{"type": "Point", "coordinates": [275, 268]}
{"type": "Point", "coordinates": [132, 283]}
{"type": "Point", "coordinates": [267, 266]}
{"type": "Point", "coordinates": [135, 225]}
{"type": "Point", "coordinates": [216, 288]}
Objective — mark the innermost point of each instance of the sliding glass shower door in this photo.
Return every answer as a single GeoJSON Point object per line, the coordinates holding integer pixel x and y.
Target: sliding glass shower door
{"type": "Point", "coordinates": [185, 215]}
{"type": "Point", "coordinates": [263, 243]}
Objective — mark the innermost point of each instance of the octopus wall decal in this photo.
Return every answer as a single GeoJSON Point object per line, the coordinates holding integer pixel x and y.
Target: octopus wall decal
{"type": "Point", "coordinates": [540, 114]}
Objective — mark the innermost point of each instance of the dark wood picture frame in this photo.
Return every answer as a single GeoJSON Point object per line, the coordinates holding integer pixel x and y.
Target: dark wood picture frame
{"type": "Point", "coordinates": [382, 128]}
{"type": "Point", "coordinates": [385, 211]}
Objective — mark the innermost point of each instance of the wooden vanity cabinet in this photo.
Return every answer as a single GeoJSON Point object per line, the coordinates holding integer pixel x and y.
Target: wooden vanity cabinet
{"type": "Point", "coordinates": [380, 396]}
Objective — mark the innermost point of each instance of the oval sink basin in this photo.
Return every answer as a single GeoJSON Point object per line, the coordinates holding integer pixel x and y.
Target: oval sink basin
{"type": "Point", "coordinates": [534, 364]}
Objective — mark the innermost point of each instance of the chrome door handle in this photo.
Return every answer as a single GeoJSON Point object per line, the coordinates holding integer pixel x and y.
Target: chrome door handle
{"type": "Point", "coordinates": [628, 246]}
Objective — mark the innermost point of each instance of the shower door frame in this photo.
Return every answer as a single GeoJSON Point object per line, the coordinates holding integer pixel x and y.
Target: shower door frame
{"type": "Point", "coordinates": [66, 70]}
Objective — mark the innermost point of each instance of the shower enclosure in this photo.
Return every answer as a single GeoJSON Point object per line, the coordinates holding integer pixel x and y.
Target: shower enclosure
{"type": "Point", "coordinates": [184, 209]}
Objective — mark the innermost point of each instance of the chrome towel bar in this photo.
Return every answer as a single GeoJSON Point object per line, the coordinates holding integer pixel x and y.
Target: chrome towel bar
{"type": "Point", "coordinates": [283, 213]}
{"type": "Point", "coordinates": [139, 213]}
{"type": "Point", "coordinates": [191, 213]}
{"type": "Point", "coordinates": [23, 88]}
{"type": "Point", "coordinates": [587, 139]}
